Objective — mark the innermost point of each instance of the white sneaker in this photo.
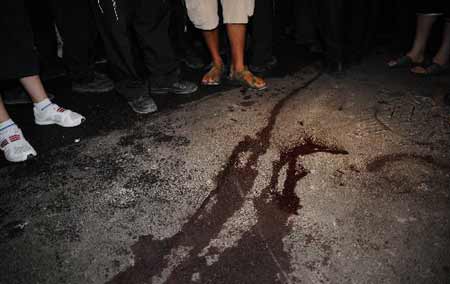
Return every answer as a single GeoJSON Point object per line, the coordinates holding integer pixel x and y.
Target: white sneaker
{"type": "Point", "coordinates": [54, 114]}
{"type": "Point", "coordinates": [15, 146]}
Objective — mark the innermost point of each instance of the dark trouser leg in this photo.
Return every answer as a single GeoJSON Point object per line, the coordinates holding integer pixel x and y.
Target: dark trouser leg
{"type": "Point", "coordinates": [117, 39]}
{"type": "Point", "coordinates": [43, 25]}
{"type": "Point", "coordinates": [283, 12]}
{"type": "Point", "coordinates": [305, 27]}
{"type": "Point", "coordinates": [330, 22]}
{"type": "Point", "coordinates": [178, 24]}
{"type": "Point", "coordinates": [262, 29]}
{"type": "Point", "coordinates": [119, 47]}
{"type": "Point", "coordinates": [75, 23]}
{"type": "Point", "coordinates": [17, 53]}
{"type": "Point", "coordinates": [356, 13]}
{"type": "Point", "coordinates": [151, 24]}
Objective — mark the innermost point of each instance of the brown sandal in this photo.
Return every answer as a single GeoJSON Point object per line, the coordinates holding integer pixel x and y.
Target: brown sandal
{"type": "Point", "coordinates": [247, 79]}
{"type": "Point", "coordinates": [216, 73]}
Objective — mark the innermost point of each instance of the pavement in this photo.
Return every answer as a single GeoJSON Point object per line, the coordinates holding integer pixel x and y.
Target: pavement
{"type": "Point", "coordinates": [319, 179]}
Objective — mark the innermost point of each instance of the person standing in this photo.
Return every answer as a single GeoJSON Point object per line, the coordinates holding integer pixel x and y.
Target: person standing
{"type": "Point", "coordinates": [138, 49]}
{"type": "Point", "coordinates": [78, 37]}
{"type": "Point", "coordinates": [19, 62]}
{"type": "Point", "coordinates": [236, 14]}
{"type": "Point", "coordinates": [261, 57]}
{"type": "Point", "coordinates": [427, 14]}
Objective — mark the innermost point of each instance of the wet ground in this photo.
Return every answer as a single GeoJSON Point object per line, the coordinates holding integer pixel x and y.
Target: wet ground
{"type": "Point", "coordinates": [319, 179]}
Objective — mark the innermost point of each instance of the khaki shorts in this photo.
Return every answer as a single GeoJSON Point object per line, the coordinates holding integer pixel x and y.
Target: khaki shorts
{"type": "Point", "coordinates": [204, 13]}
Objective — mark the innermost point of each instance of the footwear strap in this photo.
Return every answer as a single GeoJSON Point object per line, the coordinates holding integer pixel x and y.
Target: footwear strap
{"type": "Point", "coordinates": [435, 69]}
{"type": "Point", "coordinates": [240, 76]}
{"type": "Point", "coordinates": [212, 71]}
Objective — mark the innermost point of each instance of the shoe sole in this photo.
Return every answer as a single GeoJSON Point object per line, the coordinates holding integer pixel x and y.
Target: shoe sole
{"type": "Point", "coordinates": [27, 158]}
{"type": "Point", "coordinates": [169, 91]}
{"type": "Point", "coordinates": [43, 123]}
{"type": "Point", "coordinates": [144, 112]}
{"type": "Point", "coordinates": [97, 91]}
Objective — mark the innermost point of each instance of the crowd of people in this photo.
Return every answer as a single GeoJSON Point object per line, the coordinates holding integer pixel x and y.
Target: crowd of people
{"type": "Point", "coordinates": [145, 41]}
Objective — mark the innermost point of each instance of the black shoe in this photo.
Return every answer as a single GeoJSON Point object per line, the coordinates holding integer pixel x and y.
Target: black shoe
{"type": "Point", "coordinates": [178, 88]}
{"type": "Point", "coordinates": [137, 95]}
{"type": "Point", "coordinates": [92, 83]}
{"type": "Point", "coordinates": [18, 96]}
{"type": "Point", "coordinates": [192, 61]}
{"type": "Point", "coordinates": [143, 105]}
{"type": "Point", "coordinates": [266, 67]}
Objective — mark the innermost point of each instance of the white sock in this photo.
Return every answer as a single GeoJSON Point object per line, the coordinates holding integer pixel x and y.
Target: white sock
{"type": "Point", "coordinates": [43, 104]}
{"type": "Point", "coordinates": [6, 125]}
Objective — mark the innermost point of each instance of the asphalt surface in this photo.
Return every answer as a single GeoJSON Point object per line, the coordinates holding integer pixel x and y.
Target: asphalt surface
{"type": "Point", "coordinates": [319, 179]}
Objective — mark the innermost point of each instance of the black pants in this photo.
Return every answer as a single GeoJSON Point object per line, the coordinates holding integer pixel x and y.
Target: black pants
{"type": "Point", "coordinates": [305, 22]}
{"type": "Point", "coordinates": [329, 16]}
{"type": "Point", "coordinates": [360, 26]}
{"type": "Point", "coordinates": [345, 27]}
{"type": "Point", "coordinates": [17, 55]}
{"type": "Point", "coordinates": [77, 28]}
{"type": "Point", "coordinates": [136, 39]}
{"type": "Point", "coordinates": [43, 25]}
{"type": "Point", "coordinates": [262, 32]}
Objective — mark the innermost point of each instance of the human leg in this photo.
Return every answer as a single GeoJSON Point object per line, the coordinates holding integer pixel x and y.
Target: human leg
{"type": "Point", "coordinates": [440, 62]}
{"type": "Point", "coordinates": [236, 14]}
{"type": "Point", "coordinates": [204, 16]}
{"type": "Point", "coordinates": [151, 23]}
{"type": "Point", "coordinates": [262, 39]}
{"type": "Point", "coordinates": [79, 38]}
{"type": "Point", "coordinates": [443, 55]}
{"type": "Point", "coordinates": [121, 51]}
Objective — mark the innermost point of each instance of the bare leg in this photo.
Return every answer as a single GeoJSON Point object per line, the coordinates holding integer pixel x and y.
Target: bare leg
{"type": "Point", "coordinates": [424, 25]}
{"type": "Point", "coordinates": [236, 34]}
{"type": "Point", "coordinates": [3, 113]}
{"type": "Point", "coordinates": [443, 55]}
{"type": "Point", "coordinates": [212, 41]}
{"type": "Point", "coordinates": [34, 87]}
{"type": "Point", "coordinates": [423, 29]}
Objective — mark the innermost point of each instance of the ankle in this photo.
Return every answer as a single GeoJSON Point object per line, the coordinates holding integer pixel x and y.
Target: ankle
{"type": "Point", "coordinates": [6, 125]}
{"type": "Point", "coordinates": [218, 62]}
{"type": "Point", "coordinates": [238, 68]}
{"type": "Point", "coordinates": [416, 56]}
{"type": "Point", "coordinates": [42, 104]}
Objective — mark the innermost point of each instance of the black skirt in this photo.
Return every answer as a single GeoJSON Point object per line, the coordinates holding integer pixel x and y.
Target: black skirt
{"type": "Point", "coordinates": [18, 58]}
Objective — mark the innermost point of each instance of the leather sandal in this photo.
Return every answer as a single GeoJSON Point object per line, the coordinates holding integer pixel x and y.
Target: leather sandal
{"type": "Point", "coordinates": [433, 70]}
{"type": "Point", "coordinates": [216, 73]}
{"type": "Point", "coordinates": [247, 79]}
{"type": "Point", "coordinates": [405, 62]}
